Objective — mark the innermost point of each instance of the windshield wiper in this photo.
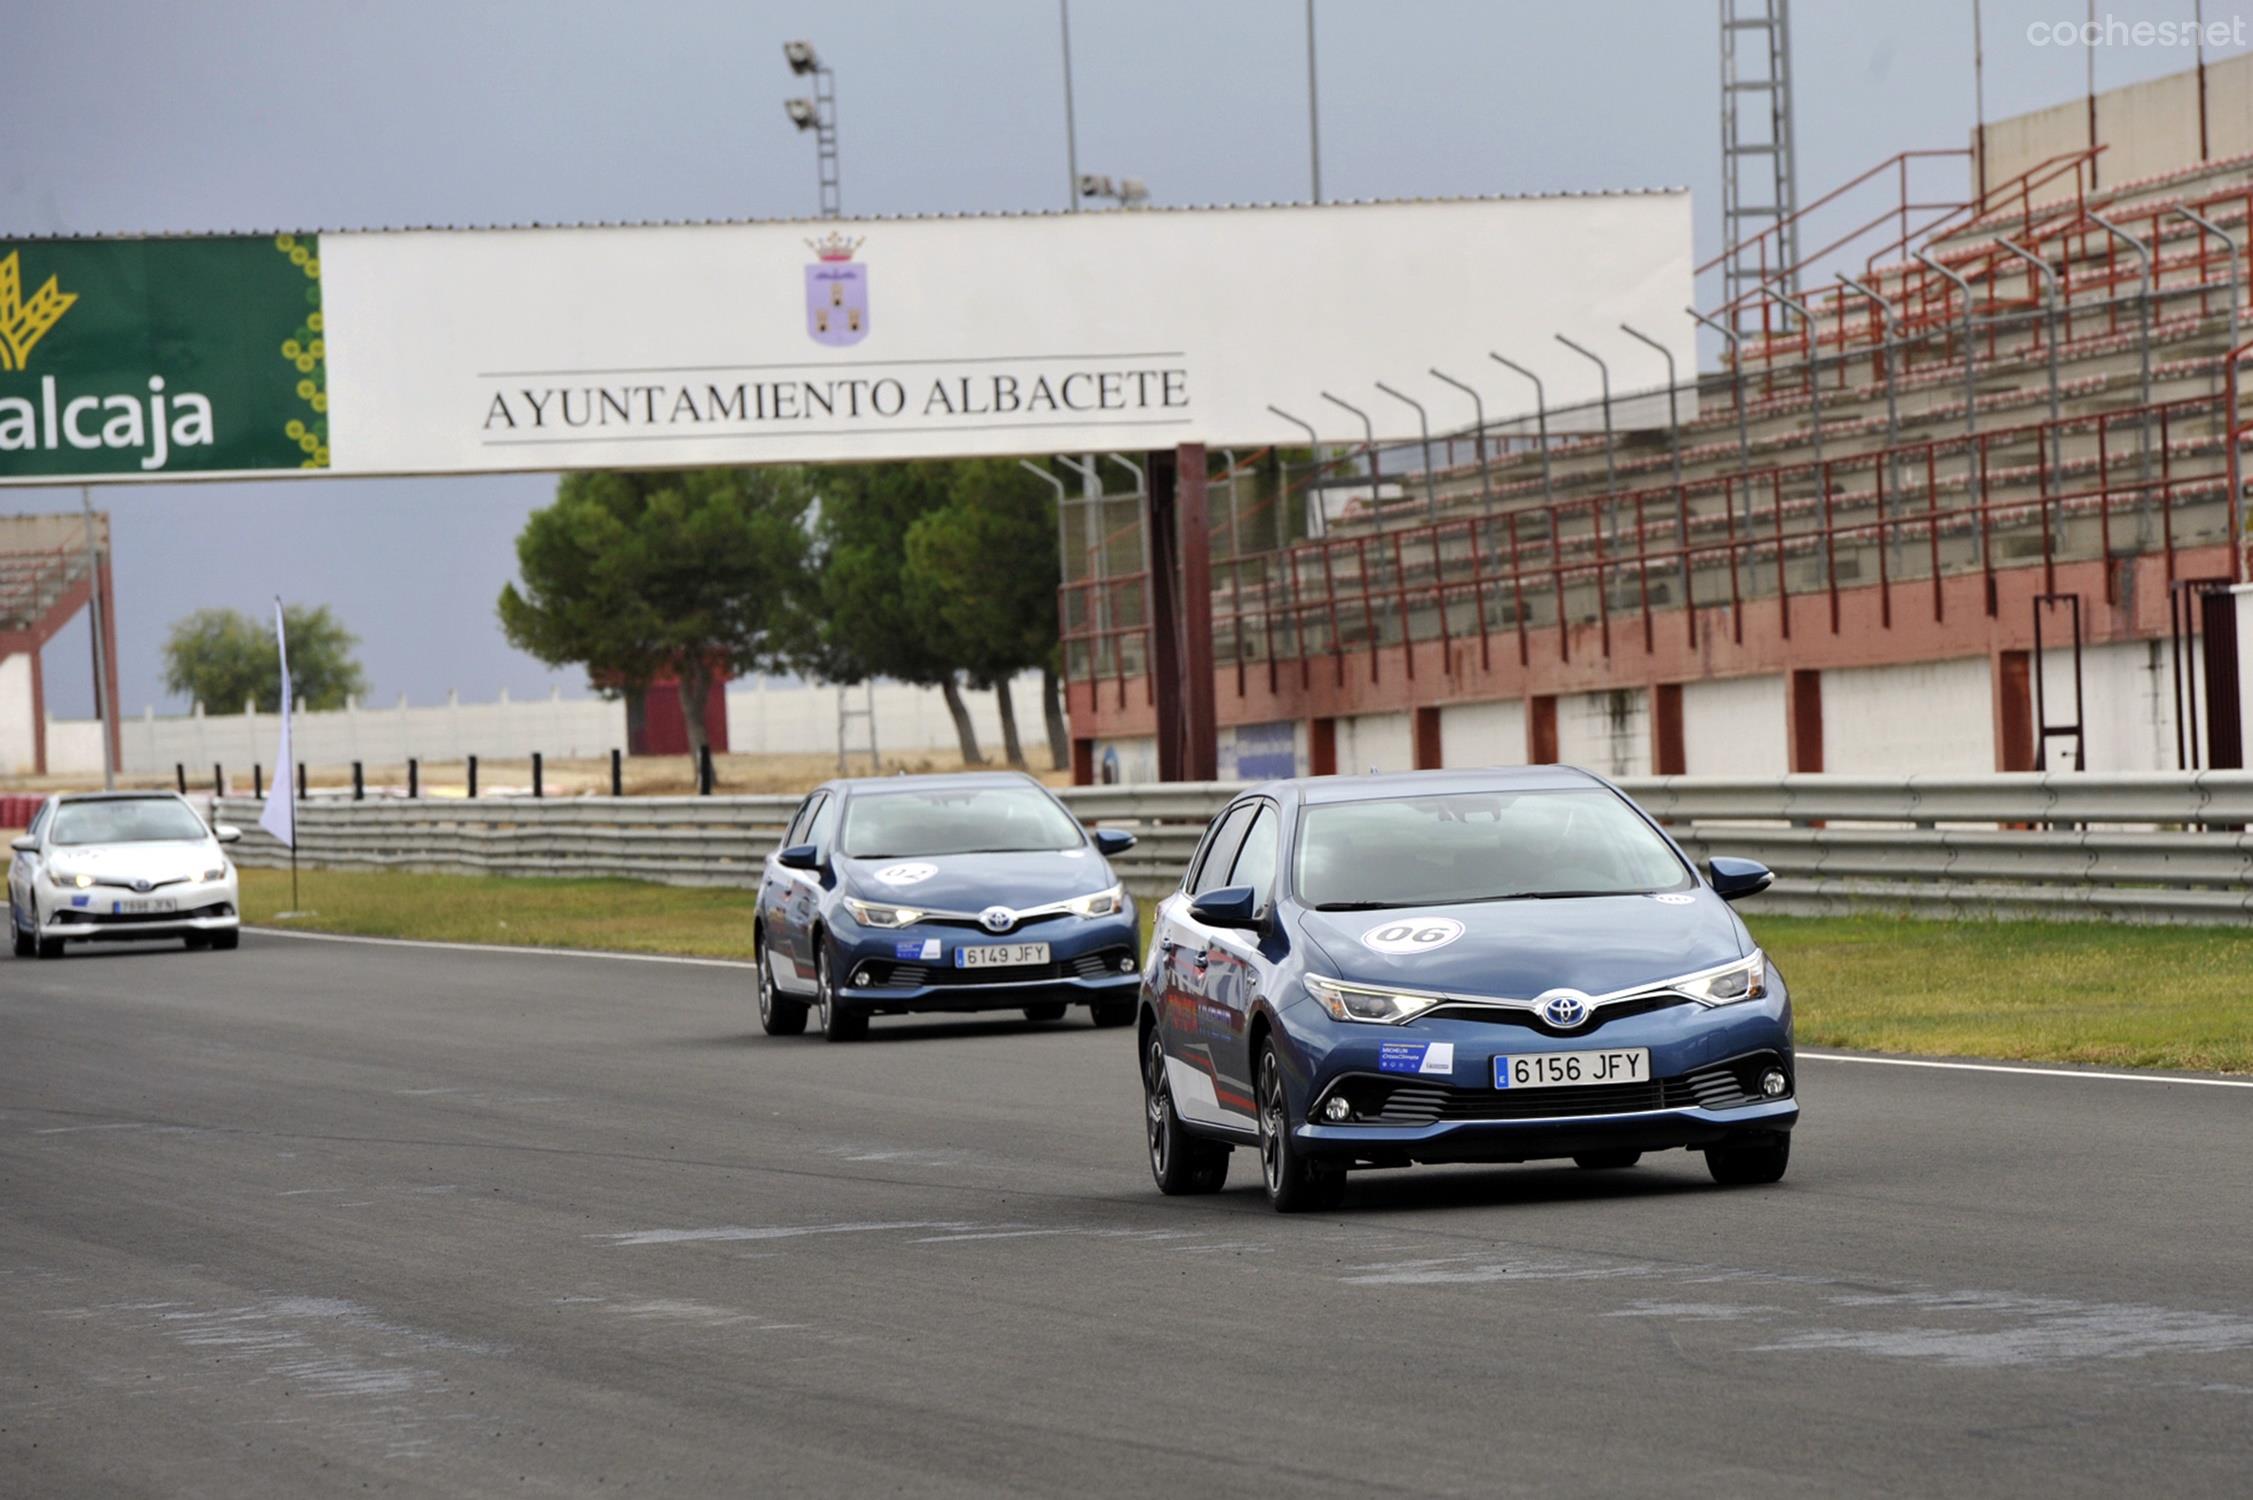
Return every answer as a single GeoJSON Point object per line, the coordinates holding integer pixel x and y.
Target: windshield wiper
{"type": "Point", "coordinates": [1357, 905]}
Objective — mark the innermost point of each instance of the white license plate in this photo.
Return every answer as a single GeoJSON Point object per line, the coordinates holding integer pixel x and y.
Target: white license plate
{"type": "Point", "coordinates": [1564, 1070]}
{"type": "Point", "coordinates": [1000, 955]}
{"type": "Point", "coordinates": [147, 904]}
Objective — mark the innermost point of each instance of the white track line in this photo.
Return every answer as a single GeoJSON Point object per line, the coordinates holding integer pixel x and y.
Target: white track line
{"type": "Point", "coordinates": [504, 948]}
{"type": "Point", "coordinates": [1964, 1067]}
{"type": "Point", "coordinates": [737, 963]}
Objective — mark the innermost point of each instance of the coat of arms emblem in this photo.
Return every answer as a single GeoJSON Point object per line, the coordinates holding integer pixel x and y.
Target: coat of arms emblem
{"type": "Point", "coordinates": [836, 292]}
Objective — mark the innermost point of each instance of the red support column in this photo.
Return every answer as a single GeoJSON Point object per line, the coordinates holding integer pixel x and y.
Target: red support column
{"type": "Point", "coordinates": [2013, 678]}
{"type": "Point", "coordinates": [1803, 720]}
{"type": "Point", "coordinates": [1426, 739]}
{"type": "Point", "coordinates": [1083, 762]}
{"type": "Point", "coordinates": [38, 713]}
{"type": "Point", "coordinates": [1322, 747]}
{"type": "Point", "coordinates": [108, 687]}
{"type": "Point", "coordinates": [1666, 730]}
{"type": "Point", "coordinates": [1541, 729]}
{"type": "Point", "coordinates": [1181, 614]}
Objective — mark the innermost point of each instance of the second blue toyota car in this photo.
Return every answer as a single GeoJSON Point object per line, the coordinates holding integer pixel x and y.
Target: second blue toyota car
{"type": "Point", "coordinates": [941, 893]}
{"type": "Point", "coordinates": [1506, 965]}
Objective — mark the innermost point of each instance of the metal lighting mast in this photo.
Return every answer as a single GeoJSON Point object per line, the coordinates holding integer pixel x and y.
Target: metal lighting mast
{"type": "Point", "coordinates": [819, 115]}
{"type": "Point", "coordinates": [1756, 154]}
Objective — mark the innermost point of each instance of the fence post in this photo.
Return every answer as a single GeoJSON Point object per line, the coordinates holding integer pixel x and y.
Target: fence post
{"type": "Point", "coordinates": [473, 777]}
{"type": "Point", "coordinates": [617, 773]}
{"type": "Point", "coordinates": [258, 780]}
{"type": "Point", "coordinates": [704, 771]}
{"type": "Point", "coordinates": [218, 780]}
{"type": "Point", "coordinates": [538, 789]}
{"type": "Point", "coordinates": [301, 781]}
{"type": "Point", "coordinates": [180, 774]}
{"type": "Point", "coordinates": [414, 778]}
{"type": "Point", "coordinates": [359, 783]}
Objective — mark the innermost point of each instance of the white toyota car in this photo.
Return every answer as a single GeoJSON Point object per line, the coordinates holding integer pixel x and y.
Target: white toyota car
{"type": "Point", "coordinates": [121, 867]}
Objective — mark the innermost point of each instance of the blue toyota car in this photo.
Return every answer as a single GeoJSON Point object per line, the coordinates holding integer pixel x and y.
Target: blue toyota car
{"type": "Point", "coordinates": [1456, 966]}
{"type": "Point", "coordinates": [941, 893]}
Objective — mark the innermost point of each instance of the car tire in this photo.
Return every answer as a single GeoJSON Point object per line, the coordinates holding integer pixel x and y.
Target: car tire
{"type": "Point", "coordinates": [25, 945]}
{"type": "Point", "coordinates": [838, 1022]}
{"type": "Point", "coordinates": [1749, 1165]}
{"type": "Point", "coordinates": [50, 947]}
{"type": "Point", "coordinates": [227, 941]}
{"type": "Point", "coordinates": [196, 942]}
{"type": "Point", "coordinates": [1606, 1161]}
{"type": "Point", "coordinates": [778, 1014]}
{"type": "Point", "coordinates": [1296, 1183]}
{"type": "Point", "coordinates": [1109, 1013]}
{"type": "Point", "coordinates": [1046, 1010]}
{"type": "Point", "coordinates": [1180, 1163]}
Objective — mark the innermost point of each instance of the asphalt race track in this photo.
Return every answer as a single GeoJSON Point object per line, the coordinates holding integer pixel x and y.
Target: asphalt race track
{"type": "Point", "coordinates": [323, 1216]}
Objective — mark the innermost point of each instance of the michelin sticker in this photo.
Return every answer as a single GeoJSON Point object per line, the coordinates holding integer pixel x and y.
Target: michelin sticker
{"type": "Point", "coordinates": [1408, 935]}
{"type": "Point", "coordinates": [1674, 898]}
{"type": "Point", "coordinates": [926, 948]}
{"type": "Point", "coordinates": [906, 874]}
{"type": "Point", "coordinates": [1416, 1057]}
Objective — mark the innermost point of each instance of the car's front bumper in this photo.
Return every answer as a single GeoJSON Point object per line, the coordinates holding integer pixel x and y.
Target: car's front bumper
{"type": "Point", "coordinates": [95, 915]}
{"type": "Point", "coordinates": [1091, 960]}
{"type": "Point", "coordinates": [1703, 1087]}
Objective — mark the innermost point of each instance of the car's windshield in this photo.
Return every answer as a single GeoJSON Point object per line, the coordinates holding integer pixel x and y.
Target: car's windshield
{"type": "Point", "coordinates": [1479, 846]}
{"type": "Point", "coordinates": [960, 820]}
{"type": "Point", "coordinates": [144, 820]}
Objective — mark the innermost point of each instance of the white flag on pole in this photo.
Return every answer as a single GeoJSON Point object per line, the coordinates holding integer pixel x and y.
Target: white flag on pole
{"type": "Point", "coordinates": [280, 815]}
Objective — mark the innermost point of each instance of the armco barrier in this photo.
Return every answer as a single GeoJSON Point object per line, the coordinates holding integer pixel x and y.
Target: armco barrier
{"type": "Point", "coordinates": [2147, 847]}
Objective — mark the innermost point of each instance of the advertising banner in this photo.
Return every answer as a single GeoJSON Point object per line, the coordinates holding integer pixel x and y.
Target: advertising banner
{"type": "Point", "coordinates": [157, 358]}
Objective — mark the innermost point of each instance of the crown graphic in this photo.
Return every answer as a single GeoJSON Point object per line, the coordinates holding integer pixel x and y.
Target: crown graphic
{"type": "Point", "coordinates": [23, 324]}
{"type": "Point", "coordinates": [834, 246]}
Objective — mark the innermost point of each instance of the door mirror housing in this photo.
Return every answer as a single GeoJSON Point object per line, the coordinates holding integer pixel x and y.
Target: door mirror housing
{"type": "Point", "coordinates": [1230, 906]}
{"type": "Point", "coordinates": [1110, 841]}
{"type": "Point", "coordinates": [799, 857]}
{"type": "Point", "coordinates": [227, 833]}
{"type": "Point", "coordinates": [1734, 879]}
{"type": "Point", "coordinates": [25, 844]}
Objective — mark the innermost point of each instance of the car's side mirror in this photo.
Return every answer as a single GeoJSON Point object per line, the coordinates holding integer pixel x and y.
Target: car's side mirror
{"type": "Point", "coordinates": [799, 857]}
{"type": "Point", "coordinates": [1110, 841]}
{"type": "Point", "coordinates": [25, 845]}
{"type": "Point", "coordinates": [1734, 879]}
{"type": "Point", "coordinates": [227, 833]}
{"type": "Point", "coordinates": [1230, 906]}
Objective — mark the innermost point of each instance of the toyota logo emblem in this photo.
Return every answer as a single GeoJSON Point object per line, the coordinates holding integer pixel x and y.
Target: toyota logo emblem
{"type": "Point", "coordinates": [1563, 1009]}
{"type": "Point", "coordinates": [997, 919]}
{"type": "Point", "coordinates": [140, 885]}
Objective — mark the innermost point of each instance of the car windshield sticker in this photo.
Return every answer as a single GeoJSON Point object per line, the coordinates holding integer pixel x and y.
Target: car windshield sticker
{"type": "Point", "coordinates": [906, 874]}
{"type": "Point", "coordinates": [1674, 898]}
{"type": "Point", "coordinates": [1412, 934]}
{"type": "Point", "coordinates": [916, 948]}
{"type": "Point", "coordinates": [1416, 1057]}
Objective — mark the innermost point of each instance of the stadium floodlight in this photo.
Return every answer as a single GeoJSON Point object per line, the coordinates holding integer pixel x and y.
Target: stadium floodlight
{"type": "Point", "coordinates": [800, 56]}
{"type": "Point", "coordinates": [1126, 192]}
{"type": "Point", "coordinates": [1093, 185]}
{"type": "Point", "coordinates": [801, 112]}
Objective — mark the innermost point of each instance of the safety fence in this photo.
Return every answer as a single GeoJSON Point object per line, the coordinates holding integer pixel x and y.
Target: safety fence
{"type": "Point", "coordinates": [2150, 847]}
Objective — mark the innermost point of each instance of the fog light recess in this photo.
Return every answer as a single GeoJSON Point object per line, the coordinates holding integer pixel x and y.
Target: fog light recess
{"type": "Point", "coordinates": [862, 979]}
{"type": "Point", "coordinates": [1774, 1084]}
{"type": "Point", "coordinates": [1126, 966]}
{"type": "Point", "coordinates": [1337, 1109]}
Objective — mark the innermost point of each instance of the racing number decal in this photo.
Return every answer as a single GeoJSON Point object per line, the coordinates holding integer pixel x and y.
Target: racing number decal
{"type": "Point", "coordinates": [1408, 935]}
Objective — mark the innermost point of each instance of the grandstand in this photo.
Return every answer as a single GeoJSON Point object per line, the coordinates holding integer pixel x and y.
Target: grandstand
{"type": "Point", "coordinates": [46, 577]}
{"type": "Point", "coordinates": [1958, 496]}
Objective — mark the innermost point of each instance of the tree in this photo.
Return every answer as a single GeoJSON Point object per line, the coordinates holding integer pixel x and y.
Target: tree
{"type": "Point", "coordinates": [863, 620]}
{"type": "Point", "coordinates": [222, 658]}
{"type": "Point", "coordinates": [984, 566]}
{"type": "Point", "coordinates": [690, 571]}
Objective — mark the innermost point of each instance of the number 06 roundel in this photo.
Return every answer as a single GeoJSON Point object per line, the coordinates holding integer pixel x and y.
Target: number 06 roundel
{"type": "Point", "coordinates": [1412, 934]}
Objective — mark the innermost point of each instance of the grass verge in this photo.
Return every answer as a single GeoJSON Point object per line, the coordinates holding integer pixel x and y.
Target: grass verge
{"type": "Point", "coordinates": [2083, 992]}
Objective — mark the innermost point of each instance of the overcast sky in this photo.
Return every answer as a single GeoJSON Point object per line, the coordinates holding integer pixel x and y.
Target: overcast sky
{"type": "Point", "coordinates": [154, 115]}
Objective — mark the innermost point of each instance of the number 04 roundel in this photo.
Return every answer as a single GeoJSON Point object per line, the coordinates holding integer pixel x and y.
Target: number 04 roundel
{"type": "Point", "coordinates": [1412, 934]}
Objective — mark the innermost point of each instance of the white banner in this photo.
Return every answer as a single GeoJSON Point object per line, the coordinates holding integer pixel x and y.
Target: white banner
{"type": "Point", "coordinates": [476, 350]}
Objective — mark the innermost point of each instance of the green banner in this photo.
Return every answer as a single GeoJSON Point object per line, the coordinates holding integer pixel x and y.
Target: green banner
{"type": "Point", "coordinates": [151, 357]}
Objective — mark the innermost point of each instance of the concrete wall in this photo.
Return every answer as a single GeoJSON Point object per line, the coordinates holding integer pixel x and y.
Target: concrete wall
{"type": "Point", "coordinates": [769, 718]}
{"type": "Point", "coordinates": [1734, 727]}
{"type": "Point", "coordinates": [1482, 734]}
{"type": "Point", "coordinates": [1935, 717]}
{"type": "Point", "coordinates": [1386, 741]}
{"type": "Point", "coordinates": [2149, 127]}
{"type": "Point", "coordinates": [19, 747]}
{"type": "Point", "coordinates": [2128, 703]}
{"type": "Point", "coordinates": [1608, 733]}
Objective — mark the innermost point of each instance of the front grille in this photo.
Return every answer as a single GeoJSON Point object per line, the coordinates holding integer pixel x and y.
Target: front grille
{"type": "Point", "coordinates": [1102, 963]}
{"type": "Point", "coordinates": [1382, 1101]}
{"type": "Point", "coordinates": [1496, 1015]}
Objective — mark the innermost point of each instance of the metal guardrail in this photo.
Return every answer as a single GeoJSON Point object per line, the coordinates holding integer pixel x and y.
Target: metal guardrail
{"type": "Point", "coordinates": [2142, 847]}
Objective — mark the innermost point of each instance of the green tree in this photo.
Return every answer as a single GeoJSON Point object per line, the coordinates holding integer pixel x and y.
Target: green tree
{"type": "Point", "coordinates": [863, 619]}
{"type": "Point", "coordinates": [692, 571]}
{"type": "Point", "coordinates": [223, 658]}
{"type": "Point", "coordinates": [984, 568]}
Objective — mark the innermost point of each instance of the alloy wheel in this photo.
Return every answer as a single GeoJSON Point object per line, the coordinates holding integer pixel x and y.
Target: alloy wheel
{"type": "Point", "coordinates": [1157, 1099]}
{"type": "Point", "coordinates": [1271, 1121]}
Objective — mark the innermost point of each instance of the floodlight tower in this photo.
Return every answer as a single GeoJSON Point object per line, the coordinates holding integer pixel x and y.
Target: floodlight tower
{"type": "Point", "coordinates": [819, 115]}
{"type": "Point", "coordinates": [1756, 155]}
{"type": "Point", "coordinates": [1126, 192]}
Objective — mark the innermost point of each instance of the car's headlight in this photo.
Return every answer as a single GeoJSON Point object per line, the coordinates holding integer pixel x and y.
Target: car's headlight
{"type": "Point", "coordinates": [218, 874]}
{"type": "Point", "coordinates": [1368, 1002]}
{"type": "Point", "coordinates": [876, 914]}
{"type": "Point", "coordinates": [1102, 904]}
{"type": "Point", "coordinates": [81, 881]}
{"type": "Point", "coordinates": [1746, 979]}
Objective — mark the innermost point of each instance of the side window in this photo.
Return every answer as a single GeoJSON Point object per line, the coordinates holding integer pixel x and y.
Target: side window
{"type": "Point", "coordinates": [39, 819]}
{"type": "Point", "coordinates": [1220, 850]}
{"type": "Point", "coordinates": [1255, 865]}
{"type": "Point", "coordinates": [796, 833]}
{"type": "Point", "coordinates": [824, 823]}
